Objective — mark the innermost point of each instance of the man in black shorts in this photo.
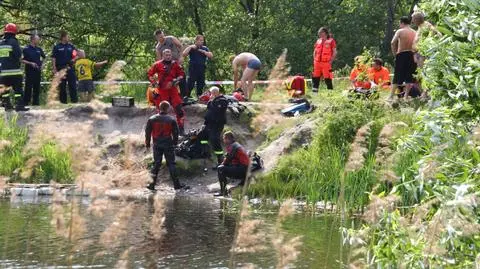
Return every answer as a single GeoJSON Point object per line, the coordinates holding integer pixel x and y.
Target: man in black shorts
{"type": "Point", "coordinates": [402, 48]}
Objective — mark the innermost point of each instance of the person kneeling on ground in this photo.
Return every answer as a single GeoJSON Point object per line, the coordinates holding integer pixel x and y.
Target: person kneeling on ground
{"type": "Point", "coordinates": [164, 130]}
{"type": "Point", "coordinates": [234, 166]}
{"type": "Point", "coordinates": [84, 70]}
{"type": "Point", "coordinates": [215, 120]}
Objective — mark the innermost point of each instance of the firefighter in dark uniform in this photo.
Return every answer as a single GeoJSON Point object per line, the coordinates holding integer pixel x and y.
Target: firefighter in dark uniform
{"type": "Point", "coordinates": [33, 57]}
{"type": "Point", "coordinates": [63, 56]}
{"type": "Point", "coordinates": [10, 72]}
{"type": "Point", "coordinates": [235, 165]}
{"type": "Point", "coordinates": [215, 120]}
{"type": "Point", "coordinates": [163, 129]}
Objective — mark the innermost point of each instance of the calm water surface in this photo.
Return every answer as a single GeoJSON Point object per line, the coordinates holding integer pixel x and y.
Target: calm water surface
{"type": "Point", "coordinates": [199, 234]}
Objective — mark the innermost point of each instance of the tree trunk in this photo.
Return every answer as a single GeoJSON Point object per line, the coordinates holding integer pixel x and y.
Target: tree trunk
{"type": "Point", "coordinates": [389, 28]}
{"type": "Point", "coordinates": [196, 18]}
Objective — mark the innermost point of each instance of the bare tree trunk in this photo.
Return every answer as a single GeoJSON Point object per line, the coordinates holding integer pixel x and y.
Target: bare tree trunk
{"type": "Point", "coordinates": [196, 18]}
{"type": "Point", "coordinates": [391, 4]}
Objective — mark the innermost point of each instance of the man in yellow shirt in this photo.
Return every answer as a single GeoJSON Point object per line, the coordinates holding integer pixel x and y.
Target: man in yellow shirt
{"type": "Point", "coordinates": [84, 70]}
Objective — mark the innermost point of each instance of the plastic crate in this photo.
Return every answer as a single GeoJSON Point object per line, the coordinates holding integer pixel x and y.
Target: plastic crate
{"type": "Point", "coordinates": [123, 101]}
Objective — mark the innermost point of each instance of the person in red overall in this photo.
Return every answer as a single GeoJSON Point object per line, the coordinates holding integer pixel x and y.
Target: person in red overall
{"type": "Point", "coordinates": [234, 166]}
{"type": "Point", "coordinates": [168, 75]}
{"type": "Point", "coordinates": [325, 51]}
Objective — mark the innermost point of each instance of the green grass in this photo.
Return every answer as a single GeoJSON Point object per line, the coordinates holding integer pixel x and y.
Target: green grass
{"type": "Point", "coordinates": [15, 138]}
{"type": "Point", "coordinates": [55, 164]}
{"type": "Point", "coordinates": [313, 174]}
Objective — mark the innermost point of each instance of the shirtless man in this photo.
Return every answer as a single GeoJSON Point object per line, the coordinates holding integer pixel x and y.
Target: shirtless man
{"type": "Point", "coordinates": [424, 29]}
{"type": "Point", "coordinates": [402, 48]}
{"type": "Point", "coordinates": [168, 42]}
{"type": "Point", "coordinates": [175, 46]}
{"type": "Point", "coordinates": [250, 65]}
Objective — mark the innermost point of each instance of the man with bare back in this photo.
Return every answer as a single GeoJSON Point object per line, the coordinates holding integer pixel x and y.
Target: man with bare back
{"type": "Point", "coordinates": [402, 48]}
{"type": "Point", "coordinates": [251, 65]}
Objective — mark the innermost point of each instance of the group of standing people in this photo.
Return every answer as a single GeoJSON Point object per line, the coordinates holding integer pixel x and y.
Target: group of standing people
{"type": "Point", "coordinates": [64, 57]}
{"type": "Point", "coordinates": [166, 76]}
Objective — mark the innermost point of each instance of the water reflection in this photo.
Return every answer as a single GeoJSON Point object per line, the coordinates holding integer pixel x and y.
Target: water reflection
{"type": "Point", "coordinates": [199, 233]}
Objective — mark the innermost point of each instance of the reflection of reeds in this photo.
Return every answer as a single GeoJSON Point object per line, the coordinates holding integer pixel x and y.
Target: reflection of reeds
{"type": "Point", "coordinates": [58, 213]}
{"type": "Point", "coordinates": [53, 92]}
{"type": "Point", "coordinates": [250, 238]}
{"type": "Point", "coordinates": [158, 219]}
{"type": "Point", "coordinates": [98, 207]}
{"type": "Point", "coordinates": [122, 263]}
{"type": "Point", "coordinates": [287, 249]}
{"type": "Point", "coordinates": [111, 237]}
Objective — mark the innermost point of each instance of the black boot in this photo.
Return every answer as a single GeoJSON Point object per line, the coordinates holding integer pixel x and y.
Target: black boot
{"type": "Point", "coordinates": [20, 104]}
{"type": "Point", "coordinates": [329, 83]}
{"type": "Point", "coordinates": [178, 186]}
{"type": "Point", "coordinates": [151, 186]}
{"type": "Point", "coordinates": [21, 108]}
{"type": "Point", "coordinates": [223, 190]}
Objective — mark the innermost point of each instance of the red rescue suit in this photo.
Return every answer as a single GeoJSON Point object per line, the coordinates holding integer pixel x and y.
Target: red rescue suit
{"type": "Point", "coordinates": [168, 74]}
{"type": "Point", "coordinates": [323, 53]}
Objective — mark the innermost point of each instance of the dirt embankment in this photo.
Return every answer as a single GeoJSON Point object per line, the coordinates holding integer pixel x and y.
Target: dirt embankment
{"type": "Point", "coordinates": [108, 152]}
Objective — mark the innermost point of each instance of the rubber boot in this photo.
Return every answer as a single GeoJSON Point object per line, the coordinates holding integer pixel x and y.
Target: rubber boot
{"type": "Point", "coordinates": [223, 190]}
{"type": "Point", "coordinates": [178, 186]}
{"type": "Point", "coordinates": [329, 83]}
{"type": "Point", "coordinates": [151, 186]}
{"type": "Point", "coordinates": [20, 105]}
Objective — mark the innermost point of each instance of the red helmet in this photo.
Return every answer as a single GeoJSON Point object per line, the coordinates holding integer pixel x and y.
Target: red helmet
{"type": "Point", "coordinates": [10, 28]}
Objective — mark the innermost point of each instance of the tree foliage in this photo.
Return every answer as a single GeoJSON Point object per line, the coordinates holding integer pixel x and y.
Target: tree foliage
{"type": "Point", "coordinates": [123, 29]}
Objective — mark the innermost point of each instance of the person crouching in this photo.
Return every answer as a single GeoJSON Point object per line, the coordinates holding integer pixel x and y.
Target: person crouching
{"type": "Point", "coordinates": [164, 130]}
{"type": "Point", "coordinates": [235, 165]}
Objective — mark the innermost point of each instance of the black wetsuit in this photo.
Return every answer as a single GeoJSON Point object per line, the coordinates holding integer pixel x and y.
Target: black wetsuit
{"type": "Point", "coordinates": [215, 121]}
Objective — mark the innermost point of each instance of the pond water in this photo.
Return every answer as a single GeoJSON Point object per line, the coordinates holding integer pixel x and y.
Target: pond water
{"type": "Point", "coordinates": [199, 234]}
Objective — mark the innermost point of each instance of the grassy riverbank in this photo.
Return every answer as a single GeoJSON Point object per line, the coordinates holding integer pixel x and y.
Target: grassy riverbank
{"type": "Point", "coordinates": [21, 163]}
{"type": "Point", "coordinates": [313, 173]}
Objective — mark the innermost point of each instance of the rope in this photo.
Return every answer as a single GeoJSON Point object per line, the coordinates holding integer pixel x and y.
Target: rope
{"type": "Point", "coordinates": [212, 82]}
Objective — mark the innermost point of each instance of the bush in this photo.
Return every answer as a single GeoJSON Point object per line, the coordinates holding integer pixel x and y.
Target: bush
{"type": "Point", "coordinates": [56, 165]}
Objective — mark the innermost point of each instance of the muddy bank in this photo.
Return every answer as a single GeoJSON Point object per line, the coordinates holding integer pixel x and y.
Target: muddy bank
{"type": "Point", "coordinates": [108, 152]}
